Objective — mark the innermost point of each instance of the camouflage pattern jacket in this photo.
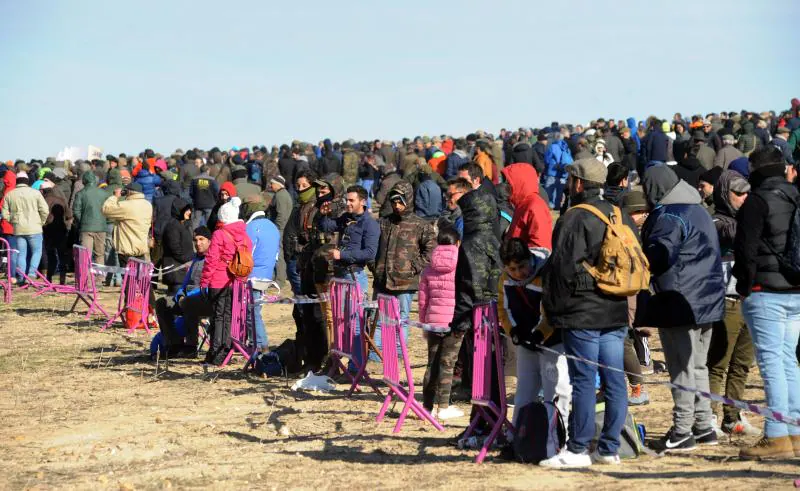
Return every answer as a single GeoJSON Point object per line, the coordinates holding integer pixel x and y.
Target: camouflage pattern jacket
{"type": "Point", "coordinates": [406, 244]}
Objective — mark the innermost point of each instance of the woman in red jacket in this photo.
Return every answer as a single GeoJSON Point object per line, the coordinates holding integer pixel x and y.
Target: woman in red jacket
{"type": "Point", "coordinates": [217, 281]}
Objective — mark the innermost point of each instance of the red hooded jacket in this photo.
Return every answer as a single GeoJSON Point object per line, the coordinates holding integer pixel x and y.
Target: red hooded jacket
{"type": "Point", "coordinates": [532, 221]}
{"type": "Point", "coordinates": [10, 182]}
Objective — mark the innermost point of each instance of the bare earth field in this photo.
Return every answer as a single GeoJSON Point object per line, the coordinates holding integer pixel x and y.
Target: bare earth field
{"type": "Point", "coordinates": [85, 410]}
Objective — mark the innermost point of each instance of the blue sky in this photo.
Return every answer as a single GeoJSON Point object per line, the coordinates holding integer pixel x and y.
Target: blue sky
{"type": "Point", "coordinates": [168, 74]}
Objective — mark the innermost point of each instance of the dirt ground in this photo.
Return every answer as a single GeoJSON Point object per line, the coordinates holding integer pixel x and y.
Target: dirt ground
{"type": "Point", "coordinates": [85, 410]}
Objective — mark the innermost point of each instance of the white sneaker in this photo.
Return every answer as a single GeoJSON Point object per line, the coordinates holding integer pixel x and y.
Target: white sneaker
{"type": "Point", "coordinates": [715, 426]}
{"type": "Point", "coordinates": [450, 412]}
{"type": "Point", "coordinates": [605, 459]}
{"type": "Point", "coordinates": [565, 458]}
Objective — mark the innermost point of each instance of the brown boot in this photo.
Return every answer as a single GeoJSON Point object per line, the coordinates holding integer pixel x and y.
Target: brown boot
{"type": "Point", "coordinates": [769, 448]}
{"type": "Point", "coordinates": [795, 439]}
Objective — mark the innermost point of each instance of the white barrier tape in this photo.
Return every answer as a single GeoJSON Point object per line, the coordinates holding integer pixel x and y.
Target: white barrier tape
{"type": "Point", "coordinates": [763, 411]}
{"type": "Point", "coordinates": [9, 250]}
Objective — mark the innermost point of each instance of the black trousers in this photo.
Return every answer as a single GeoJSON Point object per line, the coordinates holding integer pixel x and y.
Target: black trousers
{"type": "Point", "coordinates": [220, 330]}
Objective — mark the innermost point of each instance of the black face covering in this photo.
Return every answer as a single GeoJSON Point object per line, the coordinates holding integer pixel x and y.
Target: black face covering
{"type": "Point", "coordinates": [324, 199]}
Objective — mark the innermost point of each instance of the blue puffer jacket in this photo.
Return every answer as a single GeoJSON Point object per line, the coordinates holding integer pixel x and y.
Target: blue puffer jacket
{"type": "Point", "coordinates": [149, 183]}
{"type": "Point", "coordinates": [682, 245]}
{"type": "Point", "coordinates": [556, 158]}
{"type": "Point", "coordinates": [266, 240]}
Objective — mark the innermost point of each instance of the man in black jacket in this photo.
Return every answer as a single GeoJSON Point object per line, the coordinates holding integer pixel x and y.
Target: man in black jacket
{"type": "Point", "coordinates": [771, 292]}
{"type": "Point", "coordinates": [594, 324]}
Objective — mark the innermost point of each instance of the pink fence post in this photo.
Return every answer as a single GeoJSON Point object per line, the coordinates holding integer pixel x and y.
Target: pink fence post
{"type": "Point", "coordinates": [134, 296]}
{"type": "Point", "coordinates": [242, 300]}
{"type": "Point", "coordinates": [347, 313]}
{"type": "Point", "coordinates": [487, 335]}
{"type": "Point", "coordinates": [391, 333]}
{"type": "Point", "coordinates": [84, 287]}
{"type": "Point", "coordinates": [5, 284]}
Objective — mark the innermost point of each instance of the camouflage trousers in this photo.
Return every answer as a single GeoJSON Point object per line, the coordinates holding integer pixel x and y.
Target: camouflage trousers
{"type": "Point", "coordinates": [442, 356]}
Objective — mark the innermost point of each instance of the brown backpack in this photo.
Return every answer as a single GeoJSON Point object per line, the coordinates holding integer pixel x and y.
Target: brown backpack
{"type": "Point", "coordinates": [622, 269]}
{"type": "Point", "coordinates": [241, 264]}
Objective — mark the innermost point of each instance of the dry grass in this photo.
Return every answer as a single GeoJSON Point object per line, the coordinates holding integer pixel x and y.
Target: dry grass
{"type": "Point", "coordinates": [84, 409]}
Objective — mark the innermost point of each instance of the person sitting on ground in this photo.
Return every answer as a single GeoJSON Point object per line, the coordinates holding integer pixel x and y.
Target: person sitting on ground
{"type": "Point", "coordinates": [189, 301]}
{"type": "Point", "coordinates": [230, 234]}
{"type": "Point", "coordinates": [519, 312]}
{"type": "Point", "coordinates": [436, 303]}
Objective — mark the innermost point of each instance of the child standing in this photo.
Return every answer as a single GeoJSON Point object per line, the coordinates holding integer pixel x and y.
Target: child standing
{"type": "Point", "coordinates": [437, 300]}
{"type": "Point", "coordinates": [519, 309]}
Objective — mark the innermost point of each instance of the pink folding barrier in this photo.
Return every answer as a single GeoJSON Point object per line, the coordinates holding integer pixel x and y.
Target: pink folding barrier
{"type": "Point", "coordinates": [347, 313]}
{"type": "Point", "coordinates": [391, 333]}
{"type": "Point", "coordinates": [5, 282]}
{"type": "Point", "coordinates": [84, 287]}
{"type": "Point", "coordinates": [487, 334]}
{"type": "Point", "coordinates": [134, 296]}
{"type": "Point", "coordinates": [242, 301]}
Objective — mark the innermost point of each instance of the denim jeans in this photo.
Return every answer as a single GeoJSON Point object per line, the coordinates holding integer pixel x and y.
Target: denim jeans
{"type": "Point", "coordinates": [555, 190]}
{"type": "Point", "coordinates": [606, 347]}
{"type": "Point", "coordinates": [258, 322]}
{"type": "Point", "coordinates": [200, 217]}
{"type": "Point", "coordinates": [774, 322]}
{"type": "Point", "coordinates": [294, 276]}
{"type": "Point", "coordinates": [30, 253]}
{"type": "Point", "coordinates": [404, 300]}
{"type": "Point", "coordinates": [363, 283]}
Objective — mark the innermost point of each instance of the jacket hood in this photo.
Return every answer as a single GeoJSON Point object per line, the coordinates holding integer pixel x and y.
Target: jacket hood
{"type": "Point", "coordinates": [479, 212]}
{"type": "Point", "coordinates": [522, 152]}
{"type": "Point", "coordinates": [336, 183]}
{"type": "Point", "coordinates": [691, 163]}
{"type": "Point", "coordinates": [444, 258]}
{"type": "Point", "coordinates": [524, 182]}
{"type": "Point", "coordinates": [663, 187]}
{"type": "Point", "coordinates": [179, 207]}
{"type": "Point", "coordinates": [407, 190]}
{"type": "Point", "coordinates": [229, 187]}
{"type": "Point", "coordinates": [722, 203]}
{"type": "Point", "coordinates": [631, 124]}
{"type": "Point", "coordinates": [9, 181]}
{"type": "Point", "coordinates": [171, 188]}
{"type": "Point", "coordinates": [89, 179]}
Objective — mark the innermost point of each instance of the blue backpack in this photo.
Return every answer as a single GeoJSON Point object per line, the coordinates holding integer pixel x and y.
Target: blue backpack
{"type": "Point", "coordinates": [540, 432]}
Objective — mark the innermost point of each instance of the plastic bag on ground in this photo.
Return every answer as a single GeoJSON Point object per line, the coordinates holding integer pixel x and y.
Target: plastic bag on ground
{"type": "Point", "coordinates": [312, 382]}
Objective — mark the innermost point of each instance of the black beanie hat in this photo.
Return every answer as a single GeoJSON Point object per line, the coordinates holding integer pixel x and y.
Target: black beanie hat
{"type": "Point", "coordinates": [204, 231]}
{"type": "Point", "coordinates": [711, 176]}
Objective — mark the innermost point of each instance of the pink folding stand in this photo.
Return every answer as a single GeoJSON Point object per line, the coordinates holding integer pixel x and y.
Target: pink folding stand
{"type": "Point", "coordinates": [347, 312]}
{"type": "Point", "coordinates": [242, 300]}
{"type": "Point", "coordinates": [391, 332]}
{"type": "Point", "coordinates": [134, 296]}
{"type": "Point", "coordinates": [84, 287]}
{"type": "Point", "coordinates": [5, 283]}
{"type": "Point", "coordinates": [487, 333]}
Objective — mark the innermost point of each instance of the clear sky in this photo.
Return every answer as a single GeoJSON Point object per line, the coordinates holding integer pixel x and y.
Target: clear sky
{"type": "Point", "coordinates": [125, 75]}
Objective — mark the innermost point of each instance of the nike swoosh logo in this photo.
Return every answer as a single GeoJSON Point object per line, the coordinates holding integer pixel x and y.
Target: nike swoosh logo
{"type": "Point", "coordinates": [669, 444]}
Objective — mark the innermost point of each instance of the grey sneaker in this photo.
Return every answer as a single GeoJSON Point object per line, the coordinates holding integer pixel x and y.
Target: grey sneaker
{"type": "Point", "coordinates": [638, 396]}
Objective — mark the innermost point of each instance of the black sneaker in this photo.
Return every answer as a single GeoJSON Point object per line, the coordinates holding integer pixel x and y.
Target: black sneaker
{"type": "Point", "coordinates": [705, 437]}
{"type": "Point", "coordinates": [674, 443]}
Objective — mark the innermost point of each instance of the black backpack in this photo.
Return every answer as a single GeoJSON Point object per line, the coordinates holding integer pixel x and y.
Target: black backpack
{"type": "Point", "coordinates": [789, 259]}
{"type": "Point", "coordinates": [540, 432]}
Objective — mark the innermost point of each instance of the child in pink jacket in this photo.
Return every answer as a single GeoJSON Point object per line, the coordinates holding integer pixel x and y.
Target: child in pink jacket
{"type": "Point", "coordinates": [437, 299]}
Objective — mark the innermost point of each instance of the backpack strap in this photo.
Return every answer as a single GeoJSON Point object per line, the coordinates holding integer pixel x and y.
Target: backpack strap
{"type": "Point", "coordinates": [594, 211]}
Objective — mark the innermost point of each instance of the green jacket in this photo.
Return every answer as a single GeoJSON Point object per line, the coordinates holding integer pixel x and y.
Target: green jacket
{"type": "Point", "coordinates": [88, 205]}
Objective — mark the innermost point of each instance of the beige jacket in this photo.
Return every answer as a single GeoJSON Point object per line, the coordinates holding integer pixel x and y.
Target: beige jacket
{"type": "Point", "coordinates": [26, 209]}
{"type": "Point", "coordinates": [132, 217]}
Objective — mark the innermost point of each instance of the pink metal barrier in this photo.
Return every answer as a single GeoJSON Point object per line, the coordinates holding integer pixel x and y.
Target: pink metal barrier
{"type": "Point", "coordinates": [487, 335]}
{"type": "Point", "coordinates": [242, 301]}
{"type": "Point", "coordinates": [134, 296]}
{"type": "Point", "coordinates": [5, 283]}
{"type": "Point", "coordinates": [347, 313]}
{"type": "Point", "coordinates": [84, 287]}
{"type": "Point", "coordinates": [391, 332]}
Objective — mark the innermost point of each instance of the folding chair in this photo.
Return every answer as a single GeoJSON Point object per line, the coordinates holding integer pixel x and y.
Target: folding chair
{"type": "Point", "coordinates": [242, 301]}
{"type": "Point", "coordinates": [391, 333]}
{"type": "Point", "coordinates": [134, 296]}
{"type": "Point", "coordinates": [347, 313]}
{"type": "Point", "coordinates": [5, 283]}
{"type": "Point", "coordinates": [487, 336]}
